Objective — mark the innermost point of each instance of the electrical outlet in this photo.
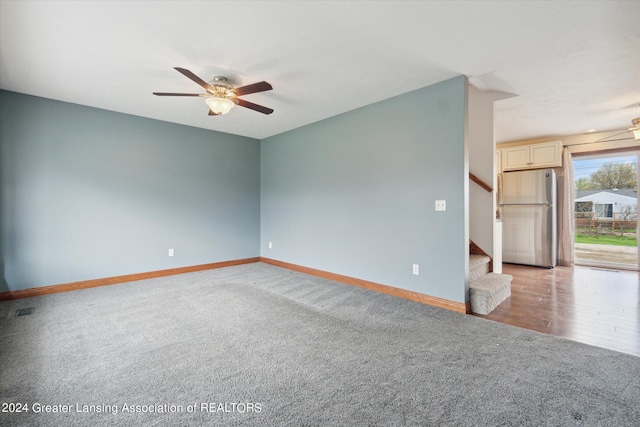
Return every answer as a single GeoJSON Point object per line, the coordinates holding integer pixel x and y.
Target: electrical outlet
{"type": "Point", "coordinates": [270, 245]}
{"type": "Point", "coordinates": [171, 252]}
{"type": "Point", "coordinates": [416, 269]}
{"type": "Point", "coordinates": [441, 205]}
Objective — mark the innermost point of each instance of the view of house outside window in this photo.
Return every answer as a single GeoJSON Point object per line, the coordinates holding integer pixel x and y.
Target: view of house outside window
{"type": "Point", "coordinates": [606, 210]}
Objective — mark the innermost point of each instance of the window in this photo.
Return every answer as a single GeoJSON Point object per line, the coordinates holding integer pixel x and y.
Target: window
{"type": "Point", "coordinates": [584, 207]}
{"type": "Point", "coordinates": [606, 232]}
{"type": "Point", "coordinates": [603, 210]}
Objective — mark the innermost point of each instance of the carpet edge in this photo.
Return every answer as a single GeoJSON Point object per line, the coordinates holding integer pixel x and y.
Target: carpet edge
{"type": "Point", "coordinates": [459, 307]}
{"type": "Point", "coordinates": [85, 284]}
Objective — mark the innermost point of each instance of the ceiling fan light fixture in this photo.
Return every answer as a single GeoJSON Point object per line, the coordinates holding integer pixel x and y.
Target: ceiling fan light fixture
{"type": "Point", "coordinates": [636, 128]}
{"type": "Point", "coordinates": [219, 105]}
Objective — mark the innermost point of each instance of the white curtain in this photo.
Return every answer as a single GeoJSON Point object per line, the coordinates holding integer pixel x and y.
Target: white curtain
{"type": "Point", "coordinates": [566, 221]}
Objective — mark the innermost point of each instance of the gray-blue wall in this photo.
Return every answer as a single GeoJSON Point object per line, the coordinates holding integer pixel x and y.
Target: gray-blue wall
{"type": "Point", "coordinates": [354, 194]}
{"type": "Point", "coordinates": [88, 193]}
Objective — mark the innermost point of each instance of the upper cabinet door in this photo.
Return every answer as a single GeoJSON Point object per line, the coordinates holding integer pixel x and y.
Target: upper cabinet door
{"type": "Point", "coordinates": [536, 156]}
{"type": "Point", "coordinates": [546, 155]}
{"type": "Point", "coordinates": [515, 158]}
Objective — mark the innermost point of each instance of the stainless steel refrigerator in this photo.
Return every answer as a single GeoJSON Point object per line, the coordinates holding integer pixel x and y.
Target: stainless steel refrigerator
{"type": "Point", "coordinates": [527, 205]}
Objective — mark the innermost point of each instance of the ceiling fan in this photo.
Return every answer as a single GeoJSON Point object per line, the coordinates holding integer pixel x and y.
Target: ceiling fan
{"type": "Point", "coordinates": [221, 96]}
{"type": "Point", "coordinates": [636, 128]}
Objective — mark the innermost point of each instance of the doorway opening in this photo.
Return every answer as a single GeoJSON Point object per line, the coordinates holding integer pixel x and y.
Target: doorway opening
{"type": "Point", "coordinates": [606, 210]}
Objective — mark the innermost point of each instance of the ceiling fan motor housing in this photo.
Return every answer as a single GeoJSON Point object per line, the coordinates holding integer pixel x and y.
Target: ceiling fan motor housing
{"type": "Point", "coordinates": [220, 88]}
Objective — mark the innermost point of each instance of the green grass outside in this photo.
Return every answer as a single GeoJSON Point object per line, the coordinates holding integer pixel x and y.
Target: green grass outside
{"type": "Point", "coordinates": [607, 240]}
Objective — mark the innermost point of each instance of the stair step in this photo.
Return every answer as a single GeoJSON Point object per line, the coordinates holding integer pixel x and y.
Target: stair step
{"type": "Point", "coordinates": [477, 260]}
{"type": "Point", "coordinates": [478, 266]}
{"type": "Point", "coordinates": [487, 292]}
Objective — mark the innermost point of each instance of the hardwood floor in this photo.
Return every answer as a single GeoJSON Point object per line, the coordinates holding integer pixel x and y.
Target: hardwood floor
{"type": "Point", "coordinates": [591, 305]}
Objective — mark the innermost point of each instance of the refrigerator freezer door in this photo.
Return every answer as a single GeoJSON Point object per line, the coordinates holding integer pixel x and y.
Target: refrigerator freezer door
{"type": "Point", "coordinates": [527, 187]}
{"type": "Point", "coordinates": [528, 235]}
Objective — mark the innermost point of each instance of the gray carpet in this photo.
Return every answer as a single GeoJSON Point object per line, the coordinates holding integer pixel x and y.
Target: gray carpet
{"type": "Point", "coordinates": [283, 348]}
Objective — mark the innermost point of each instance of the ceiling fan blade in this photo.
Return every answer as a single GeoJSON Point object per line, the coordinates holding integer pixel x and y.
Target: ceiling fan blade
{"type": "Point", "coordinates": [176, 94]}
{"type": "Point", "coordinates": [211, 113]}
{"type": "Point", "coordinates": [256, 87]}
{"type": "Point", "coordinates": [193, 77]}
{"type": "Point", "coordinates": [252, 106]}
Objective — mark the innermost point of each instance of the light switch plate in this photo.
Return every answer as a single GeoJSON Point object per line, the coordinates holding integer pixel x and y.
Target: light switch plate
{"type": "Point", "coordinates": [441, 205]}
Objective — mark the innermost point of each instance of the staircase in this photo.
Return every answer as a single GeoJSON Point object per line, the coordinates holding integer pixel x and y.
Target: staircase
{"type": "Point", "coordinates": [486, 290]}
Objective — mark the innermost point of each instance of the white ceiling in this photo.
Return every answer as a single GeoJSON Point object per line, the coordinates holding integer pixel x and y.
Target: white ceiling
{"type": "Point", "coordinates": [575, 65]}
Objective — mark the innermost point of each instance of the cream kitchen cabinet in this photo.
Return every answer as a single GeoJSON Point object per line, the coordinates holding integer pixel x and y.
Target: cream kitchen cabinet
{"type": "Point", "coordinates": [535, 156]}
